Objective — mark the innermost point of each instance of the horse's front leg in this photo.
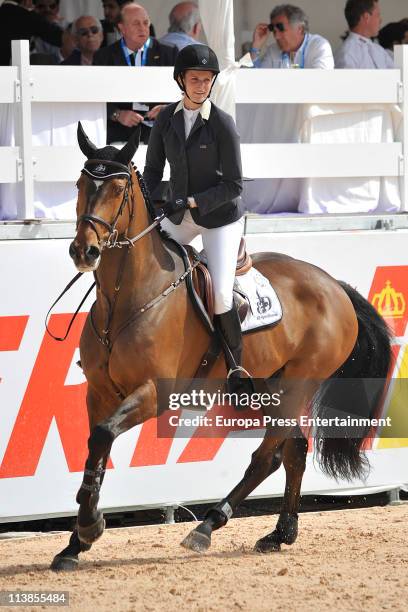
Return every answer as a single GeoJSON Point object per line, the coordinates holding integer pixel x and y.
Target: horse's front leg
{"type": "Point", "coordinates": [135, 409]}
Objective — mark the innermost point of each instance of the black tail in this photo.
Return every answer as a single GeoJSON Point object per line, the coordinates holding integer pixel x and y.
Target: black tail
{"type": "Point", "coordinates": [370, 358]}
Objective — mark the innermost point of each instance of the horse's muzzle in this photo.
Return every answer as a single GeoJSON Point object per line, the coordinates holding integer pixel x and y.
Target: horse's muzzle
{"type": "Point", "coordinates": [85, 259]}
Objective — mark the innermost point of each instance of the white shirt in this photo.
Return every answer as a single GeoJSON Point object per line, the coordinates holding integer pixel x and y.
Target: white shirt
{"type": "Point", "coordinates": [314, 52]}
{"type": "Point", "coordinates": [190, 116]}
{"type": "Point", "coordinates": [137, 54]}
{"type": "Point", "coordinates": [360, 52]}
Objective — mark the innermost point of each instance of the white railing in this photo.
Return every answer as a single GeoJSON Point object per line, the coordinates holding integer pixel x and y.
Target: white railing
{"type": "Point", "coordinates": [23, 85]}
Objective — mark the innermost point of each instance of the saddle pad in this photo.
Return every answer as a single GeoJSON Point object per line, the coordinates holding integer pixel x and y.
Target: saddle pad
{"type": "Point", "coordinates": [264, 305]}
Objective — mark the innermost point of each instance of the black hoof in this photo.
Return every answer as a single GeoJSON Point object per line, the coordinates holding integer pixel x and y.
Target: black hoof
{"type": "Point", "coordinates": [64, 564]}
{"type": "Point", "coordinates": [268, 544]}
{"type": "Point", "coordinates": [196, 541]}
{"type": "Point", "coordinates": [90, 533]}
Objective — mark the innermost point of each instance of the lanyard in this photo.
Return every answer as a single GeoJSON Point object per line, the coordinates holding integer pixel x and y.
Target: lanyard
{"type": "Point", "coordinates": [144, 52]}
{"type": "Point", "coordinates": [303, 52]}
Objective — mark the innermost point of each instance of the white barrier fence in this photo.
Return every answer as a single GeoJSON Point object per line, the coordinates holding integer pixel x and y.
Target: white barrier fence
{"type": "Point", "coordinates": [24, 85]}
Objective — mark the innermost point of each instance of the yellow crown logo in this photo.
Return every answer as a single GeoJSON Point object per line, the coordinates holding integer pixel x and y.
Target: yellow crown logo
{"type": "Point", "coordinates": [389, 302]}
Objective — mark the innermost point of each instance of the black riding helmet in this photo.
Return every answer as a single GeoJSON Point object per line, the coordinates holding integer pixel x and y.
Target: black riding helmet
{"type": "Point", "coordinates": [195, 57]}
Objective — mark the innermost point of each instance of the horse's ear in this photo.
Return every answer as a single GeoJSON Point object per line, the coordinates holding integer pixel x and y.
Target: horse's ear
{"type": "Point", "coordinates": [126, 154]}
{"type": "Point", "coordinates": [87, 147]}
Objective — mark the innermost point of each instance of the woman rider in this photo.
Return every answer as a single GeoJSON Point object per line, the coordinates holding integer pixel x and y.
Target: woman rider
{"type": "Point", "coordinates": [201, 144]}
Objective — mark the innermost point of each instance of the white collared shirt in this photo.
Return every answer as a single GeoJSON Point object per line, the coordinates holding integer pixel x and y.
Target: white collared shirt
{"type": "Point", "coordinates": [315, 50]}
{"type": "Point", "coordinates": [190, 116]}
{"type": "Point", "coordinates": [360, 52]}
{"type": "Point", "coordinates": [137, 54]}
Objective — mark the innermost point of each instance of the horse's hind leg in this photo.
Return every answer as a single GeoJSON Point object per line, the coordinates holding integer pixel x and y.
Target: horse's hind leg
{"type": "Point", "coordinates": [265, 460]}
{"type": "Point", "coordinates": [286, 530]}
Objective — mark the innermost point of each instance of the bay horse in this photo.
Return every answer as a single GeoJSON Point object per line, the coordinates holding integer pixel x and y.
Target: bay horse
{"type": "Point", "coordinates": [328, 332]}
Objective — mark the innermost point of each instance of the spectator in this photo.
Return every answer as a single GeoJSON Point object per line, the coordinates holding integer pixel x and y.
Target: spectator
{"type": "Point", "coordinates": [404, 23]}
{"type": "Point", "coordinates": [185, 25]}
{"type": "Point", "coordinates": [49, 9]}
{"type": "Point", "coordinates": [393, 34]}
{"type": "Point", "coordinates": [294, 45]}
{"type": "Point", "coordinates": [358, 50]}
{"type": "Point", "coordinates": [135, 48]}
{"type": "Point", "coordinates": [111, 9]}
{"type": "Point", "coordinates": [88, 36]}
{"type": "Point", "coordinates": [16, 23]}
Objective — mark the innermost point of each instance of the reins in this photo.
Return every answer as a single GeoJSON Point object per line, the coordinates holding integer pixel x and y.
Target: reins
{"type": "Point", "coordinates": [113, 242]}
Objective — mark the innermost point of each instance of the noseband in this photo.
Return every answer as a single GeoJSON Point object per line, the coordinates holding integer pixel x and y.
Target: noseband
{"type": "Point", "coordinates": [103, 170]}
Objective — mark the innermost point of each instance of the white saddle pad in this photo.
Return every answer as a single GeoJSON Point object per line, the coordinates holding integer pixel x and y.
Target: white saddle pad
{"type": "Point", "coordinates": [264, 305]}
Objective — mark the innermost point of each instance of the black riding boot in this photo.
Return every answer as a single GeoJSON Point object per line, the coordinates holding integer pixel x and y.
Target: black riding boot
{"type": "Point", "coordinates": [229, 329]}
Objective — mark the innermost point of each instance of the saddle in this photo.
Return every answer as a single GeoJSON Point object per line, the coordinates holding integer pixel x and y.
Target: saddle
{"type": "Point", "coordinates": [202, 283]}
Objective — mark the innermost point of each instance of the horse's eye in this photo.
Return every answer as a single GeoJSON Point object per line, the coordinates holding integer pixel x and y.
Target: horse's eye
{"type": "Point", "coordinates": [118, 189]}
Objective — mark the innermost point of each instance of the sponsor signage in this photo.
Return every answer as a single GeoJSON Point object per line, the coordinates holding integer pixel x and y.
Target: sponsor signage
{"type": "Point", "coordinates": [44, 424]}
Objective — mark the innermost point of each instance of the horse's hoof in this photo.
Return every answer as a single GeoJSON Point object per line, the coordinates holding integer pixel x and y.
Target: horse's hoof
{"type": "Point", "coordinates": [267, 544]}
{"type": "Point", "coordinates": [64, 564]}
{"type": "Point", "coordinates": [196, 541]}
{"type": "Point", "coordinates": [90, 533]}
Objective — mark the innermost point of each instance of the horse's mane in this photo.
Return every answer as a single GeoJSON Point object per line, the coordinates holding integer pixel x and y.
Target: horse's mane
{"type": "Point", "coordinates": [146, 196]}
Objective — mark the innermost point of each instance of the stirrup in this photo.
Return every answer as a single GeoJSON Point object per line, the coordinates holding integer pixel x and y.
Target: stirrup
{"type": "Point", "coordinates": [238, 369]}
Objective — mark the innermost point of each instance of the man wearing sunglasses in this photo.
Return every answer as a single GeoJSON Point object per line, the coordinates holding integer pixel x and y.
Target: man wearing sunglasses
{"type": "Point", "coordinates": [294, 46]}
{"type": "Point", "coordinates": [358, 50]}
{"type": "Point", "coordinates": [49, 10]}
{"type": "Point", "coordinates": [88, 35]}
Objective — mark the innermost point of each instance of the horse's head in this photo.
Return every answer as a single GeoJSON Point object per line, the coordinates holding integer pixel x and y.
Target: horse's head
{"type": "Point", "coordinates": [104, 209]}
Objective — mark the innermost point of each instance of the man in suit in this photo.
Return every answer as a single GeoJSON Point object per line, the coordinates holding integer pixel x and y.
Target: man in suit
{"type": "Point", "coordinates": [16, 23]}
{"type": "Point", "coordinates": [88, 36]}
{"type": "Point", "coordinates": [111, 9]}
{"type": "Point", "coordinates": [136, 48]}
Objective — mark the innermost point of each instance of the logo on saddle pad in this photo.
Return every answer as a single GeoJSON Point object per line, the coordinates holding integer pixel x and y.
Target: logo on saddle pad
{"type": "Point", "coordinates": [263, 304]}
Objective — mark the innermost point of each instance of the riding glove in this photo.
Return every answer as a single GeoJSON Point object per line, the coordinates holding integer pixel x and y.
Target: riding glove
{"type": "Point", "coordinates": [173, 206]}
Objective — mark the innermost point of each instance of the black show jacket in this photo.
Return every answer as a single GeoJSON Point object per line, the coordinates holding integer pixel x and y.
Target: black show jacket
{"type": "Point", "coordinates": [206, 166]}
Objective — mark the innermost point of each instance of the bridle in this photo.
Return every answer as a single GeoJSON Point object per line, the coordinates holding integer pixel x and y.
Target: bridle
{"type": "Point", "coordinates": [105, 170]}
{"type": "Point", "coordinates": [102, 170]}
{"type": "Point", "coordinates": [109, 170]}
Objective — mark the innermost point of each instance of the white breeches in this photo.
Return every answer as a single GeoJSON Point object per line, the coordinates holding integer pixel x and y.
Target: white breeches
{"type": "Point", "coordinates": [221, 245]}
